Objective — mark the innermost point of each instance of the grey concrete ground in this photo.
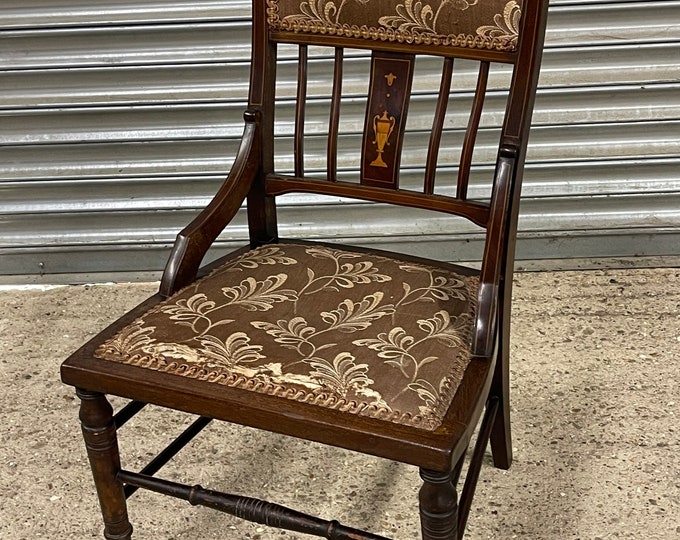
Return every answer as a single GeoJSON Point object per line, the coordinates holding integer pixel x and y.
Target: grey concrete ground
{"type": "Point", "coordinates": [596, 434]}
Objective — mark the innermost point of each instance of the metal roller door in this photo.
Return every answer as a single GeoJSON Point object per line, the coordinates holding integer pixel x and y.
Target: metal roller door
{"type": "Point", "coordinates": [118, 120]}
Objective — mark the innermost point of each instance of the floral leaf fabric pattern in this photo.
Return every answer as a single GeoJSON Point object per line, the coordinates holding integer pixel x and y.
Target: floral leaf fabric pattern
{"type": "Point", "coordinates": [172, 352]}
{"type": "Point", "coordinates": [259, 295]}
{"type": "Point", "coordinates": [319, 11]}
{"type": "Point", "coordinates": [442, 328]}
{"type": "Point", "coordinates": [190, 311]}
{"type": "Point", "coordinates": [420, 17]}
{"type": "Point", "coordinates": [342, 375]}
{"type": "Point", "coordinates": [344, 275]}
{"type": "Point", "coordinates": [390, 345]}
{"type": "Point", "coordinates": [484, 24]}
{"type": "Point", "coordinates": [412, 16]}
{"type": "Point", "coordinates": [506, 26]}
{"type": "Point", "coordinates": [267, 255]}
{"type": "Point", "coordinates": [293, 334]}
{"type": "Point", "coordinates": [463, 4]}
{"type": "Point", "coordinates": [427, 393]}
{"type": "Point", "coordinates": [439, 287]}
{"type": "Point", "coordinates": [350, 317]}
{"type": "Point", "coordinates": [131, 340]}
{"type": "Point", "coordinates": [362, 272]}
{"type": "Point", "coordinates": [234, 350]}
{"type": "Point", "coordinates": [361, 333]}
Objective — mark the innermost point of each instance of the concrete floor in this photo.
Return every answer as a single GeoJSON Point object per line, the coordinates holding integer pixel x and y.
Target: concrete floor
{"type": "Point", "coordinates": [596, 435]}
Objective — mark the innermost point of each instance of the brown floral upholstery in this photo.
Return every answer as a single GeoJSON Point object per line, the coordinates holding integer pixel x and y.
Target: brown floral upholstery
{"type": "Point", "coordinates": [352, 331]}
{"type": "Point", "coordinates": [486, 24]}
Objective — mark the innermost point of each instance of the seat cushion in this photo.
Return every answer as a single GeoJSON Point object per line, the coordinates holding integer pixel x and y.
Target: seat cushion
{"type": "Point", "coordinates": [357, 332]}
{"type": "Point", "coordinates": [480, 24]}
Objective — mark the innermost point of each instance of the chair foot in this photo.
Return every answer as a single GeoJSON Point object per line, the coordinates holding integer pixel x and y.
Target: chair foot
{"type": "Point", "coordinates": [99, 432]}
{"type": "Point", "coordinates": [438, 506]}
{"type": "Point", "coordinates": [501, 437]}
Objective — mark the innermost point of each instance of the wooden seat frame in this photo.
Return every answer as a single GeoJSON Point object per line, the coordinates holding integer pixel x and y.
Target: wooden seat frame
{"type": "Point", "coordinates": [484, 391]}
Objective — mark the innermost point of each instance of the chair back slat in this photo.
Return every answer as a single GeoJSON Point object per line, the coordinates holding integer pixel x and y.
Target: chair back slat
{"type": "Point", "coordinates": [334, 122]}
{"type": "Point", "coordinates": [438, 126]}
{"type": "Point", "coordinates": [388, 99]}
{"type": "Point", "coordinates": [301, 100]}
{"type": "Point", "coordinates": [471, 132]}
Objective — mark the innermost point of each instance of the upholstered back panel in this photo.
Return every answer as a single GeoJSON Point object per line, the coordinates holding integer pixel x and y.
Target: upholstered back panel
{"type": "Point", "coordinates": [480, 24]}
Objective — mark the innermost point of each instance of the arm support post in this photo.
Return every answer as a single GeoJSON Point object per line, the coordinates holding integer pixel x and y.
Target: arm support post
{"type": "Point", "coordinates": [194, 241]}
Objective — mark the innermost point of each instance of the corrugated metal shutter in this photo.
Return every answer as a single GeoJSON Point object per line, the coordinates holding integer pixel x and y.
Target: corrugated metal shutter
{"type": "Point", "coordinates": [119, 118]}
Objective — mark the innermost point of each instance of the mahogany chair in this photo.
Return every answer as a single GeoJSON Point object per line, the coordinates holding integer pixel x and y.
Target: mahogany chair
{"type": "Point", "coordinates": [375, 352]}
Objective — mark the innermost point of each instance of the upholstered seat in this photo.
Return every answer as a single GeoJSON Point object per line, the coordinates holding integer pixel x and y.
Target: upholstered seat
{"type": "Point", "coordinates": [358, 332]}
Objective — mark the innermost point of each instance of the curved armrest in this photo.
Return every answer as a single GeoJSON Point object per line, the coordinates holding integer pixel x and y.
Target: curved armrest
{"type": "Point", "coordinates": [486, 322]}
{"type": "Point", "coordinates": [193, 241]}
{"type": "Point", "coordinates": [495, 253]}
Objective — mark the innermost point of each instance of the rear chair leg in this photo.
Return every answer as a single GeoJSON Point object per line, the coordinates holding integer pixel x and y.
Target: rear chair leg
{"type": "Point", "coordinates": [438, 506]}
{"type": "Point", "coordinates": [99, 432]}
{"type": "Point", "coordinates": [501, 437]}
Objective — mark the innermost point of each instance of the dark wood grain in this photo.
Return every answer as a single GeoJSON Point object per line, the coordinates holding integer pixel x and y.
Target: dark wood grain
{"type": "Point", "coordinates": [334, 120]}
{"type": "Point", "coordinates": [471, 132]}
{"type": "Point", "coordinates": [256, 510]}
{"type": "Point", "coordinates": [438, 506]}
{"type": "Point", "coordinates": [99, 432]}
{"type": "Point", "coordinates": [195, 239]}
{"type": "Point", "coordinates": [477, 212]}
{"type": "Point", "coordinates": [438, 126]}
{"type": "Point", "coordinates": [299, 148]}
{"type": "Point", "coordinates": [505, 57]}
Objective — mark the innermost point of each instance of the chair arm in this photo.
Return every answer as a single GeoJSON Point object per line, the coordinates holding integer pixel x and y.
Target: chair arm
{"type": "Point", "coordinates": [195, 239]}
{"type": "Point", "coordinates": [483, 340]}
{"type": "Point", "coordinates": [495, 252]}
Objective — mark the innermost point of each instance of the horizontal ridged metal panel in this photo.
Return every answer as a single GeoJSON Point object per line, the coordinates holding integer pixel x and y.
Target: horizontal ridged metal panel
{"type": "Point", "coordinates": [119, 119]}
{"type": "Point", "coordinates": [92, 13]}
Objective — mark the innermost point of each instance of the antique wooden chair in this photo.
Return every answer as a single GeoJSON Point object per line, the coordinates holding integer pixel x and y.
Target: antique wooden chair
{"type": "Point", "coordinates": [371, 351]}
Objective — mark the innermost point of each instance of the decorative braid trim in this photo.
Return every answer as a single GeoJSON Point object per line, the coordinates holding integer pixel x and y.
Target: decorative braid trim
{"type": "Point", "coordinates": [233, 380]}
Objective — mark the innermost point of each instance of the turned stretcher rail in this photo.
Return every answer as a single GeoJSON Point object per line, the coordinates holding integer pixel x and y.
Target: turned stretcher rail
{"type": "Point", "coordinates": [248, 508]}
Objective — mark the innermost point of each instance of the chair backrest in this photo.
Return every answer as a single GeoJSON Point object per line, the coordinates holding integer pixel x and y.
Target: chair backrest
{"type": "Point", "coordinates": [508, 32]}
{"type": "Point", "coordinates": [485, 31]}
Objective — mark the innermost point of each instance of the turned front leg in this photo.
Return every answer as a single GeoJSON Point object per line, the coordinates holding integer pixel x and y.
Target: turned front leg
{"type": "Point", "coordinates": [438, 506]}
{"type": "Point", "coordinates": [99, 432]}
